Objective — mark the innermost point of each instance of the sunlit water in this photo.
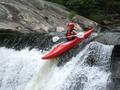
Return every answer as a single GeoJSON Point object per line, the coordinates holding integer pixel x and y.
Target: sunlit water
{"type": "Point", "coordinates": [25, 70]}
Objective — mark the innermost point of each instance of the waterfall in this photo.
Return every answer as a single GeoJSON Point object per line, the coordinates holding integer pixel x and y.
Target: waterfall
{"type": "Point", "coordinates": [25, 70]}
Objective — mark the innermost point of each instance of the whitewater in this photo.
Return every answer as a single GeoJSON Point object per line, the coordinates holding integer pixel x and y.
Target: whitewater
{"type": "Point", "coordinates": [25, 70]}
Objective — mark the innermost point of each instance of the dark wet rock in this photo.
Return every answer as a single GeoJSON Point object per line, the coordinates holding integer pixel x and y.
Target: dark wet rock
{"type": "Point", "coordinates": [106, 22]}
{"type": "Point", "coordinates": [115, 28]}
{"type": "Point", "coordinates": [109, 38]}
{"type": "Point", "coordinates": [115, 67]}
{"type": "Point", "coordinates": [18, 41]}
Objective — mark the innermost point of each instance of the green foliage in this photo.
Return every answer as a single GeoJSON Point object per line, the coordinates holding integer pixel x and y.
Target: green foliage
{"type": "Point", "coordinates": [93, 9]}
{"type": "Point", "coordinates": [71, 15]}
{"type": "Point", "coordinates": [85, 3]}
{"type": "Point", "coordinates": [77, 5]}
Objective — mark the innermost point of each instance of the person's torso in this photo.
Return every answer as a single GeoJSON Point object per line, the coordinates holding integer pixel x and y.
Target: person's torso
{"type": "Point", "coordinates": [69, 33]}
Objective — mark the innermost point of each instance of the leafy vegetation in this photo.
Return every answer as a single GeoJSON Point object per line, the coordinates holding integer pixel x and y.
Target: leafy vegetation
{"type": "Point", "coordinates": [93, 9]}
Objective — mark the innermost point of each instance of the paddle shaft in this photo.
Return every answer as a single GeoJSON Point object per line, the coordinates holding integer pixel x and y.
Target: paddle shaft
{"type": "Point", "coordinates": [68, 36]}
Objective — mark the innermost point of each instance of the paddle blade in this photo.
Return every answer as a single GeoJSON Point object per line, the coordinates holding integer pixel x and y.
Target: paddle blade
{"type": "Point", "coordinates": [55, 39]}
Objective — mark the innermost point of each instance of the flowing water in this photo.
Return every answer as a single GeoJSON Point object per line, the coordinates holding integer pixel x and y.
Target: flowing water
{"type": "Point", "coordinates": [25, 70]}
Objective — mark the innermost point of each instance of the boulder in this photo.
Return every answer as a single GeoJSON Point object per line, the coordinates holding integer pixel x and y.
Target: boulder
{"type": "Point", "coordinates": [28, 16]}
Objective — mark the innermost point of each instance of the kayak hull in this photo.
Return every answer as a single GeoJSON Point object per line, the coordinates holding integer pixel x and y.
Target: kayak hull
{"type": "Point", "coordinates": [64, 47]}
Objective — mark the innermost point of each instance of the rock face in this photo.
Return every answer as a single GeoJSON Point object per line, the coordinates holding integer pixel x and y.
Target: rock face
{"type": "Point", "coordinates": [33, 16]}
{"type": "Point", "coordinates": [30, 16]}
{"type": "Point", "coordinates": [115, 67]}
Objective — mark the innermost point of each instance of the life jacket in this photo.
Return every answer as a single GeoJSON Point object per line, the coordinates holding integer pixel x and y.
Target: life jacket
{"type": "Point", "coordinates": [70, 33]}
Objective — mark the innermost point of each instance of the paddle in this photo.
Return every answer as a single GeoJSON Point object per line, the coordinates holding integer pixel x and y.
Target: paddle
{"type": "Point", "coordinates": [56, 38]}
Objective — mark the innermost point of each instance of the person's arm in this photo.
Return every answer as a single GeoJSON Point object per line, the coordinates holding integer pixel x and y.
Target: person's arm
{"type": "Point", "coordinates": [75, 32]}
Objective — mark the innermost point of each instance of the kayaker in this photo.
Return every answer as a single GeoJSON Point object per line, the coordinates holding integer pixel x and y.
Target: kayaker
{"type": "Point", "coordinates": [70, 31]}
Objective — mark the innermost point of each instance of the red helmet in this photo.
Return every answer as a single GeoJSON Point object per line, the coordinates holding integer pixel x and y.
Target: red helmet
{"type": "Point", "coordinates": [71, 25]}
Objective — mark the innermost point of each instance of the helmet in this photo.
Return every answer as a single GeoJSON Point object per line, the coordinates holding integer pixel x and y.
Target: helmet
{"type": "Point", "coordinates": [70, 25]}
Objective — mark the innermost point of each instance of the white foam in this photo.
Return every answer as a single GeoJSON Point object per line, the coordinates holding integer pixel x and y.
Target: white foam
{"type": "Point", "coordinates": [24, 70]}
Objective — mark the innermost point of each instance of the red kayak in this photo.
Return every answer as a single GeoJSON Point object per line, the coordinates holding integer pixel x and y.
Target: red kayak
{"type": "Point", "coordinates": [64, 47]}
